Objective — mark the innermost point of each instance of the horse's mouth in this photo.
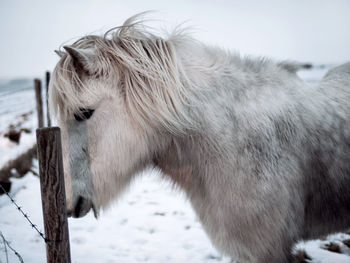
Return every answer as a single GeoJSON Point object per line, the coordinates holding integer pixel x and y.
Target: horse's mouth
{"type": "Point", "coordinates": [81, 208]}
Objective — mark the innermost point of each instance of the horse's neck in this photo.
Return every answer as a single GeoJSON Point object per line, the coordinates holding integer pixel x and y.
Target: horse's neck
{"type": "Point", "coordinates": [180, 160]}
{"type": "Point", "coordinates": [220, 82]}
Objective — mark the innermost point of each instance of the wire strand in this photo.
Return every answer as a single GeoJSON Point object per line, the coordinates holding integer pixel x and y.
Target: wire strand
{"type": "Point", "coordinates": [47, 241]}
{"type": "Point", "coordinates": [6, 243]}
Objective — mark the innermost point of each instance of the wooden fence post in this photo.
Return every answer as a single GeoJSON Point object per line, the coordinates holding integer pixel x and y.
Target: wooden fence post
{"type": "Point", "coordinates": [53, 195]}
{"type": "Point", "coordinates": [39, 102]}
{"type": "Point", "coordinates": [47, 97]}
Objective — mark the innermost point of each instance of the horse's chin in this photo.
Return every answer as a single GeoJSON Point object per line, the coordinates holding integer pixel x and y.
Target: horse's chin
{"type": "Point", "coordinates": [81, 207]}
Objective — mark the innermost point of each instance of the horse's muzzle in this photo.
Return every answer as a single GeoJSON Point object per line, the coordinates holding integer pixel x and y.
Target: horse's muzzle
{"type": "Point", "coordinates": [81, 208]}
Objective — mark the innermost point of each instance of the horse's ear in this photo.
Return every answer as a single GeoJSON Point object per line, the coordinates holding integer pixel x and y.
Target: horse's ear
{"type": "Point", "coordinates": [59, 53]}
{"type": "Point", "coordinates": [83, 59]}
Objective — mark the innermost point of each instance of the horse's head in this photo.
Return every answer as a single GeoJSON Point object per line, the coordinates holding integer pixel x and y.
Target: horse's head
{"type": "Point", "coordinates": [111, 97]}
{"type": "Point", "coordinates": [102, 145]}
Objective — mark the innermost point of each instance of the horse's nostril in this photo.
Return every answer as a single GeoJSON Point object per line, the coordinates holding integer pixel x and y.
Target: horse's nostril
{"type": "Point", "coordinates": [81, 207]}
{"type": "Point", "coordinates": [78, 206]}
{"type": "Point", "coordinates": [69, 213]}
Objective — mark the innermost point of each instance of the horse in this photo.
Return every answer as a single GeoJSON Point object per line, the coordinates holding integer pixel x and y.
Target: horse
{"type": "Point", "coordinates": [263, 157]}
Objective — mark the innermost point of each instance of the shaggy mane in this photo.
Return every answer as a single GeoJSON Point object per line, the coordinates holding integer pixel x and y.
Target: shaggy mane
{"type": "Point", "coordinates": [149, 76]}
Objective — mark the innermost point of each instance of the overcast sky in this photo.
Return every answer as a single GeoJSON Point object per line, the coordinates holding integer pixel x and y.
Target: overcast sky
{"type": "Point", "coordinates": [314, 31]}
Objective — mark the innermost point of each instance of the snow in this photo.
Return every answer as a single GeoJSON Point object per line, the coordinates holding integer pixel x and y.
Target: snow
{"type": "Point", "coordinates": [10, 150]}
{"type": "Point", "coordinates": [19, 98]}
{"type": "Point", "coordinates": [16, 97]}
{"type": "Point", "coordinates": [316, 249]}
{"type": "Point", "coordinates": [313, 76]}
{"type": "Point", "coordinates": [150, 223]}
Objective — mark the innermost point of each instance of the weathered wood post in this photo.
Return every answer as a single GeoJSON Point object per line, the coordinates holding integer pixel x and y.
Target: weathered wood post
{"type": "Point", "coordinates": [47, 82]}
{"type": "Point", "coordinates": [53, 195]}
{"type": "Point", "coordinates": [39, 102]}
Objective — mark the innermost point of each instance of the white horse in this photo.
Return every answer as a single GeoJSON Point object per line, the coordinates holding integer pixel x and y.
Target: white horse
{"type": "Point", "coordinates": [263, 158]}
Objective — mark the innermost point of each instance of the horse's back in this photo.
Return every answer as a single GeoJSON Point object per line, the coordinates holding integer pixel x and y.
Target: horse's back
{"type": "Point", "coordinates": [341, 72]}
{"type": "Point", "coordinates": [336, 86]}
{"type": "Point", "coordinates": [337, 81]}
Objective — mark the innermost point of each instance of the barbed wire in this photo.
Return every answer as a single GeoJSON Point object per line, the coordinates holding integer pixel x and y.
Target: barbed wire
{"type": "Point", "coordinates": [5, 248]}
{"type": "Point", "coordinates": [7, 244]}
{"type": "Point", "coordinates": [24, 214]}
{"type": "Point", "coordinates": [47, 241]}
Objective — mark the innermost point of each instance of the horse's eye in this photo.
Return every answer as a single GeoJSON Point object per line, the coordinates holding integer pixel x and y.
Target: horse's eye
{"type": "Point", "coordinates": [83, 114]}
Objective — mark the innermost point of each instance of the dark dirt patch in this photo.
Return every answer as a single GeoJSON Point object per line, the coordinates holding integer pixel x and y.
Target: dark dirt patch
{"type": "Point", "coordinates": [301, 257]}
{"type": "Point", "coordinates": [333, 247]}
{"type": "Point", "coordinates": [22, 165]}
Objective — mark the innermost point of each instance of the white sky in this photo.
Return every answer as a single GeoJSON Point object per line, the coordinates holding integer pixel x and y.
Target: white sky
{"type": "Point", "coordinates": [315, 31]}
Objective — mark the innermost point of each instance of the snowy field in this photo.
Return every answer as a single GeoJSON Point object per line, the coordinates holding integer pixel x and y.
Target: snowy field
{"type": "Point", "coordinates": [17, 100]}
{"type": "Point", "coordinates": [150, 223]}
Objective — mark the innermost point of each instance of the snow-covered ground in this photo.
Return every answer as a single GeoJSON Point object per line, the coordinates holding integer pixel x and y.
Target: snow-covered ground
{"type": "Point", "coordinates": [150, 223]}
{"type": "Point", "coordinates": [17, 100]}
